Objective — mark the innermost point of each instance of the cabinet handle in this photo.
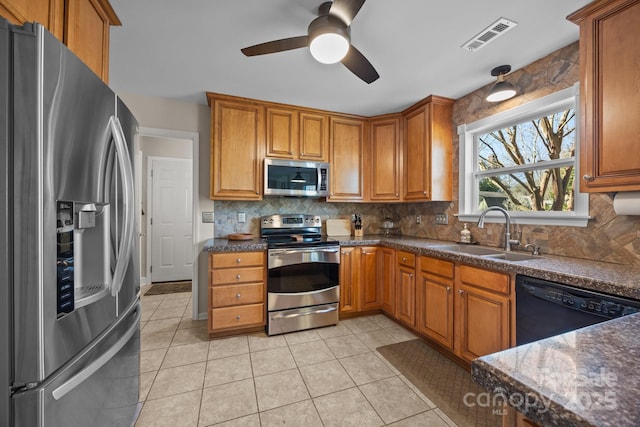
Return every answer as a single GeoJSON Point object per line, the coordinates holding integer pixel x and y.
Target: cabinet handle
{"type": "Point", "coordinates": [302, 154]}
{"type": "Point", "coordinates": [461, 292]}
{"type": "Point", "coordinates": [397, 195]}
{"type": "Point", "coordinates": [290, 152]}
{"type": "Point", "coordinates": [411, 276]}
{"type": "Point", "coordinates": [239, 260]}
{"type": "Point", "coordinates": [448, 289]}
{"type": "Point", "coordinates": [587, 177]}
{"type": "Point", "coordinates": [238, 295]}
{"type": "Point", "coordinates": [238, 317]}
{"type": "Point", "coordinates": [238, 276]}
{"type": "Point", "coordinates": [424, 192]}
{"type": "Point", "coordinates": [404, 259]}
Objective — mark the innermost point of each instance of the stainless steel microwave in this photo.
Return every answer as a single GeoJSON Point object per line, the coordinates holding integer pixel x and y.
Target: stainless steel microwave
{"type": "Point", "coordinates": [295, 178]}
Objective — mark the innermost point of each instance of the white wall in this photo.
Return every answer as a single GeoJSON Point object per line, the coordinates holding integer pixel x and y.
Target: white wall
{"type": "Point", "coordinates": [162, 113]}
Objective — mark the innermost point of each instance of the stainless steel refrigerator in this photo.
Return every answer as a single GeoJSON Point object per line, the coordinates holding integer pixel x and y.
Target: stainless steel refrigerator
{"type": "Point", "coordinates": [69, 279]}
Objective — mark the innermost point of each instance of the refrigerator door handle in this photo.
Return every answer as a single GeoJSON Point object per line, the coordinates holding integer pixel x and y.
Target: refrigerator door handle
{"type": "Point", "coordinates": [124, 251]}
{"type": "Point", "coordinates": [98, 363]}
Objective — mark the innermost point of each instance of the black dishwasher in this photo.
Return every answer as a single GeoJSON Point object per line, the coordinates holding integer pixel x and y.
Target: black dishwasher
{"type": "Point", "coordinates": [545, 308]}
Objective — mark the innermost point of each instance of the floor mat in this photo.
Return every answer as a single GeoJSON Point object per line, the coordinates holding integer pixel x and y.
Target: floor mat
{"type": "Point", "coordinates": [442, 381]}
{"type": "Point", "coordinates": [169, 288]}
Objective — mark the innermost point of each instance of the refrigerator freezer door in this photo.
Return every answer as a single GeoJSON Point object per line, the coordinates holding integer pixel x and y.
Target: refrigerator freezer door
{"type": "Point", "coordinates": [101, 388]}
{"type": "Point", "coordinates": [63, 151]}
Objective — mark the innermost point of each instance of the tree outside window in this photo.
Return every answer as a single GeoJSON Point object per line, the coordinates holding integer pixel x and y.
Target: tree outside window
{"type": "Point", "coordinates": [529, 166]}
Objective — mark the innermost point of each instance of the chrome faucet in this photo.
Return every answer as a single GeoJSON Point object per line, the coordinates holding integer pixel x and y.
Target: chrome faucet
{"type": "Point", "coordinates": [507, 233]}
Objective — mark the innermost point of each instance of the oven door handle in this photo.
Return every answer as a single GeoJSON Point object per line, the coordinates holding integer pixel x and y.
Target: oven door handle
{"type": "Point", "coordinates": [292, 315]}
{"type": "Point", "coordinates": [304, 251]}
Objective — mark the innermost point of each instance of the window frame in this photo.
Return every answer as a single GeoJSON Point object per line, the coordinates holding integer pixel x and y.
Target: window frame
{"type": "Point", "coordinates": [469, 173]}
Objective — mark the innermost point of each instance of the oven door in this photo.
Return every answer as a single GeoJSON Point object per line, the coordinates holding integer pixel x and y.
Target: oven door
{"type": "Point", "coordinates": [299, 277]}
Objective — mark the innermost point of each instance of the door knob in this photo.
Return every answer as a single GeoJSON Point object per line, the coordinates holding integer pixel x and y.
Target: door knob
{"type": "Point", "coordinates": [588, 178]}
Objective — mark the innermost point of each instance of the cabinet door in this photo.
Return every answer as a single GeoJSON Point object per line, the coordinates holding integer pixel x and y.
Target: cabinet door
{"type": "Point", "coordinates": [387, 277]}
{"type": "Point", "coordinates": [349, 277]}
{"type": "Point", "coordinates": [416, 159]}
{"type": "Point", "coordinates": [282, 133]}
{"type": "Point", "coordinates": [609, 95]}
{"type": "Point", "coordinates": [370, 286]}
{"type": "Point", "coordinates": [483, 319]}
{"type": "Point", "coordinates": [87, 25]}
{"type": "Point", "coordinates": [236, 154]}
{"type": "Point", "coordinates": [436, 300]}
{"type": "Point", "coordinates": [314, 138]}
{"type": "Point", "coordinates": [406, 295]}
{"type": "Point", "coordinates": [47, 12]}
{"type": "Point", "coordinates": [347, 149]}
{"type": "Point", "coordinates": [384, 164]}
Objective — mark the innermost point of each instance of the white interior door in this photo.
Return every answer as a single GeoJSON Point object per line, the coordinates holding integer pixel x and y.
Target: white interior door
{"type": "Point", "coordinates": [171, 220]}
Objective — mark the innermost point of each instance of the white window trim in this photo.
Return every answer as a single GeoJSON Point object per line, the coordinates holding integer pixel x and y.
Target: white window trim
{"type": "Point", "coordinates": [468, 211]}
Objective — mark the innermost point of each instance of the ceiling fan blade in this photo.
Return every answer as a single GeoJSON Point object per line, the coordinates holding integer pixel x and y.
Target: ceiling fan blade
{"type": "Point", "coordinates": [346, 10]}
{"type": "Point", "coordinates": [360, 66]}
{"type": "Point", "coordinates": [276, 46]}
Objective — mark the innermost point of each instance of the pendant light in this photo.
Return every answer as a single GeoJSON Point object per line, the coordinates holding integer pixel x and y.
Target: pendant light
{"type": "Point", "coordinates": [502, 90]}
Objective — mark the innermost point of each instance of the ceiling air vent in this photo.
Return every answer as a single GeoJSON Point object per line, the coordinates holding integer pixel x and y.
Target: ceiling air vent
{"type": "Point", "coordinates": [489, 34]}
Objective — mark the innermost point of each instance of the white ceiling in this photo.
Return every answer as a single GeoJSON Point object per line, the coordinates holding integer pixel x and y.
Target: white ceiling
{"type": "Point", "coordinates": [181, 49]}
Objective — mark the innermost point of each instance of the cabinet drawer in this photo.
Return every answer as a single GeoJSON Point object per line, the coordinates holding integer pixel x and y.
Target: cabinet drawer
{"type": "Point", "coordinates": [436, 266]}
{"type": "Point", "coordinates": [224, 296]}
{"type": "Point", "coordinates": [490, 280]}
{"type": "Point", "coordinates": [236, 275]}
{"type": "Point", "coordinates": [406, 258]}
{"type": "Point", "coordinates": [237, 317]}
{"type": "Point", "coordinates": [236, 259]}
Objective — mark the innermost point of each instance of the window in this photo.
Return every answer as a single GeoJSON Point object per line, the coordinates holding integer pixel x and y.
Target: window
{"type": "Point", "coordinates": [525, 160]}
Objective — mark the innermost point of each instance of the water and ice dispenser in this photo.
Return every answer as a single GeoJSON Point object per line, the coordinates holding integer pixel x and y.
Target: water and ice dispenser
{"type": "Point", "coordinates": [83, 254]}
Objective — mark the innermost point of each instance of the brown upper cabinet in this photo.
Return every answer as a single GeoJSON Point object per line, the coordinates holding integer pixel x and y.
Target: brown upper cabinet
{"type": "Point", "coordinates": [296, 134]}
{"type": "Point", "coordinates": [384, 162]}
{"type": "Point", "coordinates": [428, 149]}
{"type": "Point", "coordinates": [388, 158]}
{"type": "Point", "coordinates": [83, 25]}
{"type": "Point", "coordinates": [237, 141]}
{"type": "Point", "coordinates": [609, 104]}
{"type": "Point", "coordinates": [347, 145]}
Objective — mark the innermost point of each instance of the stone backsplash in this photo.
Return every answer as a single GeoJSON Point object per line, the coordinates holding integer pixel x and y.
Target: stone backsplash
{"type": "Point", "coordinates": [608, 237]}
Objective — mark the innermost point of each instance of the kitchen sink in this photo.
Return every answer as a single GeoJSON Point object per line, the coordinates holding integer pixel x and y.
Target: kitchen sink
{"type": "Point", "coordinates": [510, 256]}
{"type": "Point", "coordinates": [467, 249]}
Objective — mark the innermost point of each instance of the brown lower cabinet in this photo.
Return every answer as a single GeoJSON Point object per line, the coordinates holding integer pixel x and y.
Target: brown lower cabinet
{"type": "Point", "coordinates": [360, 289]}
{"type": "Point", "coordinates": [387, 278]}
{"type": "Point", "coordinates": [236, 292]}
{"type": "Point", "coordinates": [483, 307]}
{"type": "Point", "coordinates": [435, 300]}
{"type": "Point", "coordinates": [406, 288]}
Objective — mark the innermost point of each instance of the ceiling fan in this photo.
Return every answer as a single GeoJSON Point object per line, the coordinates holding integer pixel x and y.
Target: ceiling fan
{"type": "Point", "coordinates": [328, 38]}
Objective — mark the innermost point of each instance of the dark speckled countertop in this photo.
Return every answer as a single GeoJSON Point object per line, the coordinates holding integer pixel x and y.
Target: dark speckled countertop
{"type": "Point", "coordinates": [588, 377]}
{"type": "Point", "coordinates": [615, 279]}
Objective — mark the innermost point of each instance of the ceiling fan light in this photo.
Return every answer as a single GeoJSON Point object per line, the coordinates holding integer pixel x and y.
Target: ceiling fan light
{"type": "Point", "coordinates": [329, 48]}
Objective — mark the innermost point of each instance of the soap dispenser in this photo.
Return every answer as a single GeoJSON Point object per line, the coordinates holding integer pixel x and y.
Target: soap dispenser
{"type": "Point", "coordinates": [465, 234]}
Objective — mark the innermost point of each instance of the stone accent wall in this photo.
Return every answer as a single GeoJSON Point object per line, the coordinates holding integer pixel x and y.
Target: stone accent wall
{"type": "Point", "coordinates": [608, 237]}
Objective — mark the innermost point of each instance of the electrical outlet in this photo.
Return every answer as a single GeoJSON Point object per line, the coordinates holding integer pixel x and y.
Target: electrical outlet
{"type": "Point", "coordinates": [242, 217]}
{"type": "Point", "coordinates": [418, 219]}
{"type": "Point", "coordinates": [442, 219]}
{"type": "Point", "coordinates": [207, 217]}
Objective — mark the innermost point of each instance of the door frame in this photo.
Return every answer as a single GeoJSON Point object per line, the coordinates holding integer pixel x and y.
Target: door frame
{"type": "Point", "coordinates": [149, 215]}
{"type": "Point", "coordinates": [194, 137]}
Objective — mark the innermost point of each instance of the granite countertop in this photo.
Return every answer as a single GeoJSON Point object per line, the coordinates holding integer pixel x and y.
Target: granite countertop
{"type": "Point", "coordinates": [615, 279]}
{"type": "Point", "coordinates": [588, 377]}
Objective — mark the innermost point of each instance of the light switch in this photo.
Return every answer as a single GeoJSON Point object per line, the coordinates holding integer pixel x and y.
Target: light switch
{"type": "Point", "coordinates": [242, 217]}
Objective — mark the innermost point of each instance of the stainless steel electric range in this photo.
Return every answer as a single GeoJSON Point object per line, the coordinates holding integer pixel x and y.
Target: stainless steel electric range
{"type": "Point", "coordinates": [303, 270]}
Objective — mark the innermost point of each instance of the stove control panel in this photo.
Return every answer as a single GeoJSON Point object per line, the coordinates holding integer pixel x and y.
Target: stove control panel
{"type": "Point", "coordinates": [290, 221]}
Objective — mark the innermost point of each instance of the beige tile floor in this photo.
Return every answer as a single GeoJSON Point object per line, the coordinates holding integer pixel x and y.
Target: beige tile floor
{"type": "Point", "coordinates": [323, 377]}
